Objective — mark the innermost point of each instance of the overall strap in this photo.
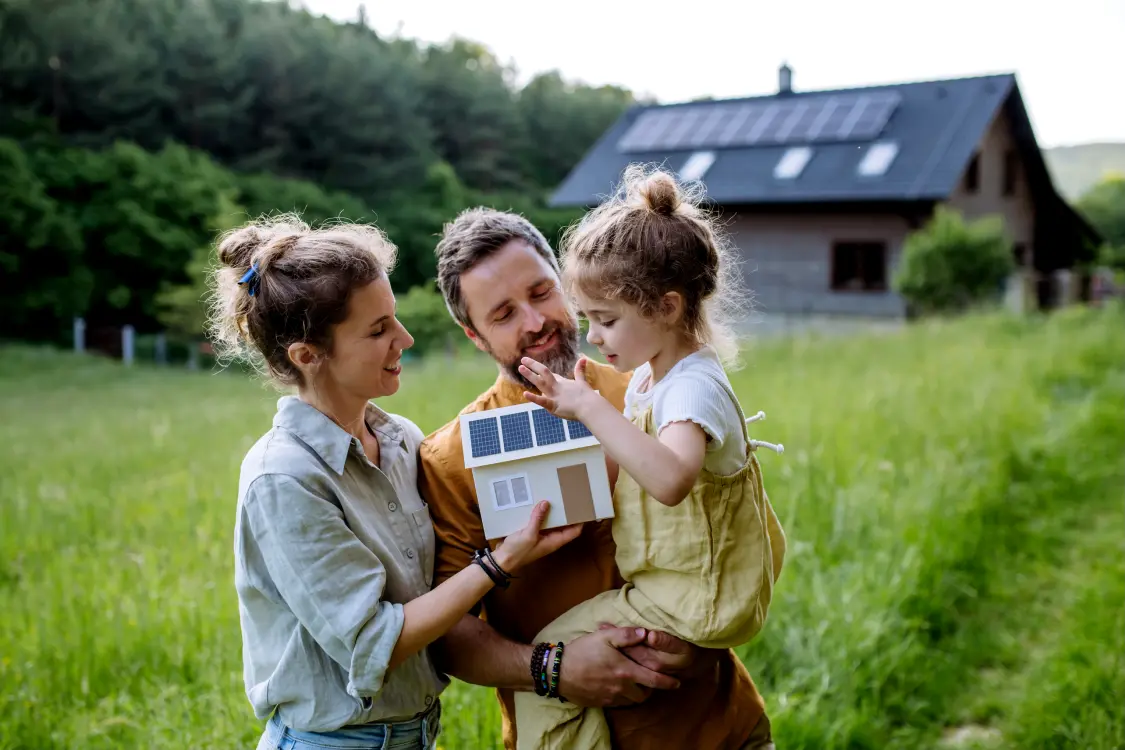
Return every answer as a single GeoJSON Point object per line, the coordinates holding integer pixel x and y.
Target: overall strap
{"type": "Point", "coordinates": [761, 415]}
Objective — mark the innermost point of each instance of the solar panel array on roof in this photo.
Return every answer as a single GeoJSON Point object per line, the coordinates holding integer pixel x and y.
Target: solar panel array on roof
{"type": "Point", "coordinates": [521, 430]}
{"type": "Point", "coordinates": [808, 119]}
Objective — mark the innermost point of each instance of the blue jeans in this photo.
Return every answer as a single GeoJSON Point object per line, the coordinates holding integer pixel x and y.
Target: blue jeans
{"type": "Point", "coordinates": [417, 734]}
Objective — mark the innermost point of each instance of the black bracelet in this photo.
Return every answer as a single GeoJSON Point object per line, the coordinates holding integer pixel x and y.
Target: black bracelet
{"type": "Point", "coordinates": [507, 576]}
{"type": "Point", "coordinates": [479, 559]}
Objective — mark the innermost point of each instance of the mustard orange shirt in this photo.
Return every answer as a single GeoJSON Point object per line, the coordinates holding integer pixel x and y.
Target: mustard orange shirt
{"type": "Point", "coordinates": [718, 712]}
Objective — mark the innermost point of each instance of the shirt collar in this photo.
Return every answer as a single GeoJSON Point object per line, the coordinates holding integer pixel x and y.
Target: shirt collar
{"type": "Point", "coordinates": [330, 441]}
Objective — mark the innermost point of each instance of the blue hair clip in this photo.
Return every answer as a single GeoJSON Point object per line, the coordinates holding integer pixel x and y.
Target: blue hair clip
{"type": "Point", "coordinates": [251, 278]}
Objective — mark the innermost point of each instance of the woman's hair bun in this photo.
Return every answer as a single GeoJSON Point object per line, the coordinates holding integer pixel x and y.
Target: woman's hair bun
{"type": "Point", "coordinates": [237, 247]}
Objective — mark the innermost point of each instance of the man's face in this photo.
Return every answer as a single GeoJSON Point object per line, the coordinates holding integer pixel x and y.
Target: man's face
{"type": "Point", "coordinates": [517, 306]}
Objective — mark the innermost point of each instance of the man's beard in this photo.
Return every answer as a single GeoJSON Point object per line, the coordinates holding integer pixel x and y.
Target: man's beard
{"type": "Point", "coordinates": [560, 360]}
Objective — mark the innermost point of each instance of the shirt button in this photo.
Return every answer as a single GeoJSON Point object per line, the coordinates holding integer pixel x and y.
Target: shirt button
{"type": "Point", "coordinates": [410, 553]}
{"type": "Point", "coordinates": [429, 699]}
{"type": "Point", "coordinates": [393, 506]}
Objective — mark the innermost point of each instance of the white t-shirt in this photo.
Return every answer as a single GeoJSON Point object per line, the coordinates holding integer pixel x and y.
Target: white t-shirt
{"type": "Point", "coordinates": [690, 393]}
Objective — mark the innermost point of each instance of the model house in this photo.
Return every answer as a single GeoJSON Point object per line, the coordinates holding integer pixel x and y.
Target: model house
{"type": "Point", "coordinates": [522, 454]}
{"type": "Point", "coordinates": [822, 188]}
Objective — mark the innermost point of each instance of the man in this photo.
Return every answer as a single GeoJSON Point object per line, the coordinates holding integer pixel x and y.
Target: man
{"type": "Point", "coordinates": [500, 280]}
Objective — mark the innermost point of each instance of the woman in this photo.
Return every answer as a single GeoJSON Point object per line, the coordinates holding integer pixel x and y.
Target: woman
{"type": "Point", "coordinates": [333, 546]}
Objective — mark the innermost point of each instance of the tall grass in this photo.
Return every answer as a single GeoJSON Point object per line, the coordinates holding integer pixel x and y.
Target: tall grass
{"type": "Point", "coordinates": [936, 481]}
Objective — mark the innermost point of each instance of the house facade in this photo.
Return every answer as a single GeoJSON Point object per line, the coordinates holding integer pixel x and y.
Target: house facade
{"type": "Point", "coordinates": [819, 190]}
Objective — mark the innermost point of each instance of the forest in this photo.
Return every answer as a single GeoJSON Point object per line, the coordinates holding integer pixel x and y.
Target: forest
{"type": "Point", "coordinates": [131, 131]}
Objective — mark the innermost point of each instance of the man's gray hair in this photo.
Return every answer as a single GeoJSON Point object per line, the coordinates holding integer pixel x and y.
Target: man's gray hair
{"type": "Point", "coordinates": [474, 235]}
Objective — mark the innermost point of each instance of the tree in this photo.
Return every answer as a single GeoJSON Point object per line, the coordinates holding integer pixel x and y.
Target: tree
{"type": "Point", "coordinates": [43, 277]}
{"type": "Point", "coordinates": [182, 308]}
{"type": "Point", "coordinates": [950, 265]}
{"type": "Point", "coordinates": [470, 104]}
{"type": "Point", "coordinates": [141, 217]}
{"type": "Point", "coordinates": [1104, 206]}
{"type": "Point", "coordinates": [570, 118]}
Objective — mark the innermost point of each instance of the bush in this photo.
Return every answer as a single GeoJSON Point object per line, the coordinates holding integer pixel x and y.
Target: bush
{"type": "Point", "coordinates": [1104, 206]}
{"type": "Point", "coordinates": [422, 310]}
{"type": "Point", "coordinates": [950, 265]}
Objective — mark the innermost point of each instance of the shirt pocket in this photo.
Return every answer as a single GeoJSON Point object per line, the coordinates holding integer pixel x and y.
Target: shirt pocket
{"type": "Point", "coordinates": [424, 529]}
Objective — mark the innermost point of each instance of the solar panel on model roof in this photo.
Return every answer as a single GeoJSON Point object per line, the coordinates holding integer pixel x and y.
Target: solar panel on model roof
{"type": "Point", "coordinates": [484, 437]}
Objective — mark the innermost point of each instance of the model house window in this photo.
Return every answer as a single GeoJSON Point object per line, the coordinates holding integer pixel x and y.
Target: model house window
{"type": "Point", "coordinates": [1011, 167]}
{"type": "Point", "coordinates": [972, 175]}
{"type": "Point", "coordinates": [511, 492]}
{"type": "Point", "coordinates": [859, 266]}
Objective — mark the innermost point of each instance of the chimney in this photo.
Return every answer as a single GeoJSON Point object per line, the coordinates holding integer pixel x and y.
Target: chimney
{"type": "Point", "coordinates": [785, 79]}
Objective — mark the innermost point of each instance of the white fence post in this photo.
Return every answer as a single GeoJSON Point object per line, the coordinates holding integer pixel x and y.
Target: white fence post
{"type": "Point", "coordinates": [161, 347]}
{"type": "Point", "coordinates": [128, 336]}
{"type": "Point", "coordinates": [79, 335]}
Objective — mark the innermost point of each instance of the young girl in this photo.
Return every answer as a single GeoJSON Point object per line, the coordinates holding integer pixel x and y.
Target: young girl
{"type": "Point", "coordinates": [697, 540]}
{"type": "Point", "coordinates": [333, 545]}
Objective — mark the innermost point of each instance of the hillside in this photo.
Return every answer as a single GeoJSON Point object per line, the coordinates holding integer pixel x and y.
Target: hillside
{"type": "Point", "coordinates": [1076, 169]}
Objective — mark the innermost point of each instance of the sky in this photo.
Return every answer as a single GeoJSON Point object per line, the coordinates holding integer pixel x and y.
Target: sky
{"type": "Point", "coordinates": [1069, 57]}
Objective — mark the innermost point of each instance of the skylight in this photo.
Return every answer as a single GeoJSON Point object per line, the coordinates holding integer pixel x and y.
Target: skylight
{"type": "Point", "coordinates": [792, 163]}
{"type": "Point", "coordinates": [878, 158]}
{"type": "Point", "coordinates": [697, 165]}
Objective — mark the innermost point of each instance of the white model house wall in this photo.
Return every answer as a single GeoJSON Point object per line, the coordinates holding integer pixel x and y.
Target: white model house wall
{"type": "Point", "coordinates": [505, 504]}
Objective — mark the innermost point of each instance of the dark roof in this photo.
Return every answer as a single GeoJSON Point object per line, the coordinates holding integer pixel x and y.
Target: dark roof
{"type": "Point", "coordinates": [937, 126]}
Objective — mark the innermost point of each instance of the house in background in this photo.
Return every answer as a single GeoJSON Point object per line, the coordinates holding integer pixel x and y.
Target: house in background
{"type": "Point", "coordinates": [522, 454]}
{"type": "Point", "coordinates": [820, 189]}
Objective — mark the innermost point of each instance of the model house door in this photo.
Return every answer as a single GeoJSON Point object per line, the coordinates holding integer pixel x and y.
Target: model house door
{"type": "Point", "coordinates": [578, 501]}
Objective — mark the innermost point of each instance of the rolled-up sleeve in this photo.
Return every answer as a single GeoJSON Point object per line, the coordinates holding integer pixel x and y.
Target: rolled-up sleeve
{"type": "Point", "coordinates": [450, 493]}
{"type": "Point", "coordinates": [331, 581]}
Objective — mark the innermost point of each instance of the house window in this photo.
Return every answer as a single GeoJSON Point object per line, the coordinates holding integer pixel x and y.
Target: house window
{"type": "Point", "coordinates": [859, 266]}
{"type": "Point", "coordinates": [697, 165]}
{"type": "Point", "coordinates": [1011, 167]}
{"type": "Point", "coordinates": [972, 175]}
{"type": "Point", "coordinates": [511, 492]}
{"type": "Point", "coordinates": [878, 158]}
{"type": "Point", "coordinates": [792, 163]}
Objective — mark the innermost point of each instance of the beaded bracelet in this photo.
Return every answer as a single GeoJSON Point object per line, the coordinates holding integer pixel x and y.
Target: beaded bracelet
{"type": "Point", "coordinates": [553, 691]}
{"type": "Point", "coordinates": [538, 667]}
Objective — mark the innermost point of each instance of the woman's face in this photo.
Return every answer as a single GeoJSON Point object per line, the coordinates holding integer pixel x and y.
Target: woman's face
{"type": "Point", "coordinates": [366, 358]}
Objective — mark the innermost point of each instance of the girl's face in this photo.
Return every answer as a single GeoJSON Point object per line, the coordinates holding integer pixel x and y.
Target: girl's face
{"type": "Point", "coordinates": [624, 337]}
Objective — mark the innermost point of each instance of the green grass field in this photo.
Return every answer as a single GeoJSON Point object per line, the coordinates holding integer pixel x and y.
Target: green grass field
{"type": "Point", "coordinates": [952, 493]}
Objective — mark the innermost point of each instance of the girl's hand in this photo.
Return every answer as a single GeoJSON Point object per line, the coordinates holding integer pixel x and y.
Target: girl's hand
{"type": "Point", "coordinates": [560, 396]}
{"type": "Point", "coordinates": [530, 543]}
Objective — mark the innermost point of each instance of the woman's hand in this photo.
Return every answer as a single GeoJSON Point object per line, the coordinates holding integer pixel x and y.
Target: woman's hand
{"type": "Point", "coordinates": [560, 396]}
{"type": "Point", "coordinates": [530, 543]}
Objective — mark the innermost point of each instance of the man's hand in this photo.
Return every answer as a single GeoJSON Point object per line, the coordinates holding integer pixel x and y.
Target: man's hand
{"type": "Point", "coordinates": [596, 674]}
{"type": "Point", "coordinates": [667, 654]}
